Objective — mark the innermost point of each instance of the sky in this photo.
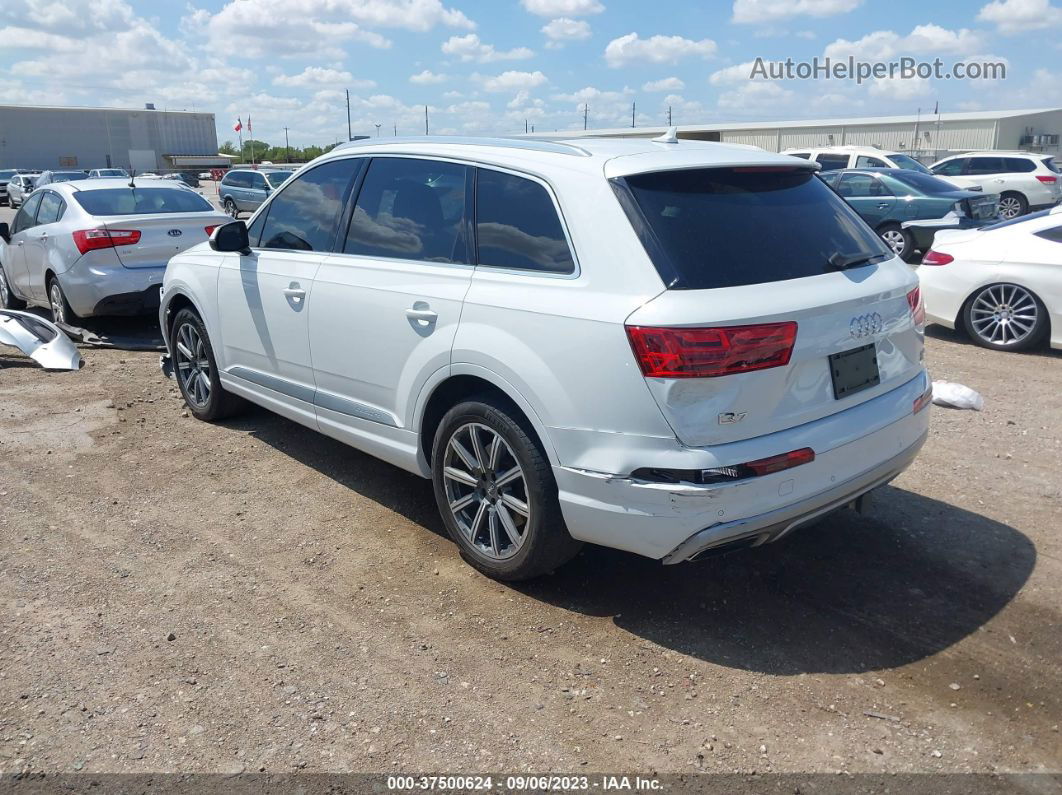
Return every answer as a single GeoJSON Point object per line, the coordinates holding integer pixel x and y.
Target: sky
{"type": "Point", "coordinates": [490, 66]}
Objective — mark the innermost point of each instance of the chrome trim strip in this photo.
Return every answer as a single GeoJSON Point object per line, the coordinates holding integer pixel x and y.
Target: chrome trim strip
{"type": "Point", "coordinates": [277, 384]}
{"type": "Point", "coordinates": [773, 525]}
{"type": "Point", "coordinates": [353, 408]}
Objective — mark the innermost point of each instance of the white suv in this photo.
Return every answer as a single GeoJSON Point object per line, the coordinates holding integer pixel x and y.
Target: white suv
{"type": "Point", "coordinates": [833, 158]}
{"type": "Point", "coordinates": [1023, 180]}
{"type": "Point", "coordinates": [667, 348]}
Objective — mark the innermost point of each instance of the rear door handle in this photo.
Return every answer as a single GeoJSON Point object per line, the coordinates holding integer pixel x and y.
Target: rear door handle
{"type": "Point", "coordinates": [294, 292]}
{"type": "Point", "coordinates": [883, 206]}
{"type": "Point", "coordinates": [422, 315]}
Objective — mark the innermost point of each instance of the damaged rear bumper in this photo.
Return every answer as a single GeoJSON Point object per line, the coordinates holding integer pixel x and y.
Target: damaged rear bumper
{"type": "Point", "coordinates": [39, 339]}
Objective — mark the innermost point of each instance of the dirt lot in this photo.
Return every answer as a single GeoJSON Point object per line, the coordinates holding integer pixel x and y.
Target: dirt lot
{"type": "Point", "coordinates": [253, 596]}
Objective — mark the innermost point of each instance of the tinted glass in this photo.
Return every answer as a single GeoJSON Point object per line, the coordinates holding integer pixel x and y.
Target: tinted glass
{"type": "Point", "coordinates": [1018, 165]}
{"type": "Point", "coordinates": [924, 183]}
{"type": "Point", "coordinates": [1053, 234]}
{"type": "Point", "coordinates": [831, 162]}
{"type": "Point", "coordinates": [1052, 165]}
{"type": "Point", "coordinates": [276, 178]}
{"type": "Point", "coordinates": [305, 215]}
{"type": "Point", "coordinates": [730, 227]}
{"type": "Point", "coordinates": [7, 175]}
{"type": "Point", "coordinates": [257, 181]}
{"type": "Point", "coordinates": [856, 185]}
{"type": "Point", "coordinates": [517, 225]}
{"type": "Point", "coordinates": [410, 209]}
{"type": "Point", "coordinates": [869, 162]}
{"type": "Point", "coordinates": [802, 155]}
{"type": "Point", "coordinates": [26, 213]}
{"type": "Point", "coordinates": [903, 161]}
{"type": "Point", "coordinates": [985, 165]}
{"type": "Point", "coordinates": [235, 179]}
{"type": "Point", "coordinates": [50, 209]}
{"type": "Point", "coordinates": [254, 230]}
{"type": "Point", "coordinates": [141, 201]}
{"type": "Point", "coordinates": [67, 176]}
{"type": "Point", "coordinates": [952, 168]}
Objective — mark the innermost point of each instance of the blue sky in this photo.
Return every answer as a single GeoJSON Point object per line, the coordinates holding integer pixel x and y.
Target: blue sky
{"type": "Point", "coordinates": [484, 67]}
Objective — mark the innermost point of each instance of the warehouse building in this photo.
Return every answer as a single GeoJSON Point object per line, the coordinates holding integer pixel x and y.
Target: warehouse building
{"type": "Point", "coordinates": [926, 137]}
{"type": "Point", "coordinates": [86, 138]}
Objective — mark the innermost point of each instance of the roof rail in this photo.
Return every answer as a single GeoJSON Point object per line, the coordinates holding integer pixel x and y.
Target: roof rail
{"type": "Point", "coordinates": [534, 145]}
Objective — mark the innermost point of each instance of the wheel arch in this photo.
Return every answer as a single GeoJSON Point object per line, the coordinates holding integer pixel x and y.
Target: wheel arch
{"type": "Point", "coordinates": [460, 384]}
{"type": "Point", "coordinates": [177, 300]}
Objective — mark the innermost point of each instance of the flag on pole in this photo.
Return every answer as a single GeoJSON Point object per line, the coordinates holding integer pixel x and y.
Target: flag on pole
{"type": "Point", "coordinates": [250, 130]}
{"type": "Point", "coordinates": [239, 125]}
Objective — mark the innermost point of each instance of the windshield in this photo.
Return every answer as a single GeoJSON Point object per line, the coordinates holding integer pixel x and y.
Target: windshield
{"type": "Point", "coordinates": [7, 175]}
{"type": "Point", "coordinates": [903, 161]}
{"type": "Point", "coordinates": [925, 183]}
{"type": "Point", "coordinates": [141, 201]}
{"type": "Point", "coordinates": [726, 227]}
{"type": "Point", "coordinates": [111, 172]}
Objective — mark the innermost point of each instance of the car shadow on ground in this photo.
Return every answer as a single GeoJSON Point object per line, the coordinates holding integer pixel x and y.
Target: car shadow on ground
{"type": "Point", "coordinates": [858, 592]}
{"type": "Point", "coordinates": [960, 337]}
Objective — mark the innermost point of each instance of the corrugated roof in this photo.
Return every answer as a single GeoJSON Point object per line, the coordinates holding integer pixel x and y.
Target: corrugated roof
{"type": "Point", "coordinates": [116, 110]}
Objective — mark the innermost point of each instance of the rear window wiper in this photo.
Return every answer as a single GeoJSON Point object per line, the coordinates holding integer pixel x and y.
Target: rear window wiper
{"type": "Point", "coordinates": [840, 262]}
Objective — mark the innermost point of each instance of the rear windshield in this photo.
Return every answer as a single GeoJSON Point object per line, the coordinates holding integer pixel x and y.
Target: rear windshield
{"type": "Point", "coordinates": [727, 227]}
{"type": "Point", "coordinates": [903, 161]}
{"type": "Point", "coordinates": [67, 176]}
{"type": "Point", "coordinates": [141, 201]}
{"type": "Point", "coordinates": [1052, 164]}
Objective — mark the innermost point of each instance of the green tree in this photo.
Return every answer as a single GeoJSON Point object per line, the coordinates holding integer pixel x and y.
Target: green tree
{"type": "Point", "coordinates": [227, 148]}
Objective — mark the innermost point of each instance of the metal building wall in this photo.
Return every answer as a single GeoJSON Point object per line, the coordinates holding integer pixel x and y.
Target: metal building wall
{"type": "Point", "coordinates": [84, 138]}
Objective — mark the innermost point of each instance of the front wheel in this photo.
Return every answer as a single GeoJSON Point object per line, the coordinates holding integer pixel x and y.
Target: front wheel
{"type": "Point", "coordinates": [898, 239]}
{"type": "Point", "coordinates": [196, 370]}
{"type": "Point", "coordinates": [1005, 317]}
{"type": "Point", "coordinates": [496, 493]}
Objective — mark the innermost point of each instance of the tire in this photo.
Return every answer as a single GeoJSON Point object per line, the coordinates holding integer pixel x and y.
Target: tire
{"type": "Point", "coordinates": [61, 311]}
{"type": "Point", "coordinates": [7, 298]}
{"type": "Point", "coordinates": [1012, 204]}
{"type": "Point", "coordinates": [196, 370]}
{"type": "Point", "coordinates": [1005, 317]}
{"type": "Point", "coordinates": [898, 240]}
{"type": "Point", "coordinates": [510, 527]}
{"type": "Point", "coordinates": [230, 208]}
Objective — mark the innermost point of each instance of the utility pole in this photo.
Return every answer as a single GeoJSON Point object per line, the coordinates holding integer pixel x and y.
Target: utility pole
{"type": "Point", "coordinates": [633, 104]}
{"type": "Point", "coordinates": [425, 119]}
{"type": "Point", "coordinates": [918, 120]}
{"type": "Point", "coordinates": [668, 115]}
{"type": "Point", "coordinates": [586, 114]}
{"type": "Point", "coordinates": [287, 147]}
{"type": "Point", "coordinates": [350, 137]}
{"type": "Point", "coordinates": [377, 130]}
{"type": "Point", "coordinates": [396, 129]}
{"type": "Point", "coordinates": [525, 126]}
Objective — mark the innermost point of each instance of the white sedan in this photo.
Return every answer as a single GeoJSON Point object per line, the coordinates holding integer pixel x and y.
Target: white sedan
{"type": "Point", "coordinates": [1002, 283]}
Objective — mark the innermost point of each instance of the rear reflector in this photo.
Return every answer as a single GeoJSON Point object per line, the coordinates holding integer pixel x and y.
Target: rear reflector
{"type": "Point", "coordinates": [1047, 180]}
{"type": "Point", "coordinates": [937, 258]}
{"type": "Point", "coordinates": [776, 463]}
{"type": "Point", "coordinates": [88, 240]}
{"type": "Point", "coordinates": [923, 400]}
{"type": "Point", "coordinates": [918, 309]}
{"type": "Point", "coordinates": [709, 352]}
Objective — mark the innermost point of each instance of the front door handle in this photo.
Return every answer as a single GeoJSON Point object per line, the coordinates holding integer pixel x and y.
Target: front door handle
{"type": "Point", "coordinates": [294, 292]}
{"type": "Point", "coordinates": [421, 313]}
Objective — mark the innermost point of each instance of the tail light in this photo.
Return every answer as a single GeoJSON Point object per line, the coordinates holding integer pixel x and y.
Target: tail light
{"type": "Point", "coordinates": [1047, 180]}
{"type": "Point", "coordinates": [710, 352]}
{"type": "Point", "coordinates": [729, 474]}
{"type": "Point", "coordinates": [918, 309]}
{"type": "Point", "coordinates": [88, 240]}
{"type": "Point", "coordinates": [937, 258]}
{"type": "Point", "coordinates": [959, 208]}
{"type": "Point", "coordinates": [923, 400]}
{"type": "Point", "coordinates": [210, 229]}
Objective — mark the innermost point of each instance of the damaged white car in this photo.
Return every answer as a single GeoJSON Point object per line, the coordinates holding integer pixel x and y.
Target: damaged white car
{"type": "Point", "coordinates": [665, 347]}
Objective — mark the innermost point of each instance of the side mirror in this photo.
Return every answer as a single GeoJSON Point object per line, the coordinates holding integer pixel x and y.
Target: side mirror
{"type": "Point", "coordinates": [5, 232]}
{"type": "Point", "coordinates": [231, 237]}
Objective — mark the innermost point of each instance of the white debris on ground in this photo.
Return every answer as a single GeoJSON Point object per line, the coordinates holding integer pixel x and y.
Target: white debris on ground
{"type": "Point", "coordinates": [956, 396]}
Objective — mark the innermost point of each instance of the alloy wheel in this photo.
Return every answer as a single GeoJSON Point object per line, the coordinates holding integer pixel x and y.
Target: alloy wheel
{"type": "Point", "coordinates": [193, 365]}
{"type": "Point", "coordinates": [57, 302]}
{"type": "Point", "coordinates": [5, 300]}
{"type": "Point", "coordinates": [1009, 207]}
{"type": "Point", "coordinates": [1003, 314]}
{"type": "Point", "coordinates": [486, 490]}
{"type": "Point", "coordinates": [894, 239]}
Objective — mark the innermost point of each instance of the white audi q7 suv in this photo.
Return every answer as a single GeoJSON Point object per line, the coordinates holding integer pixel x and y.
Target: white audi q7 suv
{"type": "Point", "coordinates": [670, 348]}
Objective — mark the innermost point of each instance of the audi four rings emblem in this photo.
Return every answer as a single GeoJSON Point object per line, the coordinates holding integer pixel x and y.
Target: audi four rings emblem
{"type": "Point", "coordinates": [174, 233]}
{"type": "Point", "coordinates": [866, 325]}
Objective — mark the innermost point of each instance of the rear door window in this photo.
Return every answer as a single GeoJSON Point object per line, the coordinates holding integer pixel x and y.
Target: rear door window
{"type": "Point", "coordinates": [831, 162]}
{"type": "Point", "coordinates": [51, 208]}
{"type": "Point", "coordinates": [857, 185]}
{"type": "Point", "coordinates": [985, 165]}
{"type": "Point", "coordinates": [727, 227]}
{"type": "Point", "coordinates": [304, 216]}
{"type": "Point", "coordinates": [410, 208]}
{"type": "Point", "coordinates": [517, 225]}
{"type": "Point", "coordinates": [952, 168]}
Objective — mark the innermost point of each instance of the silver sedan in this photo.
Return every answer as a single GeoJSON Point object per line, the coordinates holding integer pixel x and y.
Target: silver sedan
{"type": "Point", "coordinates": [98, 247]}
{"type": "Point", "coordinates": [20, 186]}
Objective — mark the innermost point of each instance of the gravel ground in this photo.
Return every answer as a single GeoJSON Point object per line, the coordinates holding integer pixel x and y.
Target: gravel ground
{"type": "Point", "coordinates": [178, 596]}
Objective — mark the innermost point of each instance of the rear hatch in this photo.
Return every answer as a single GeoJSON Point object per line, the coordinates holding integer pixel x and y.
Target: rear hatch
{"type": "Point", "coordinates": [148, 224]}
{"type": "Point", "coordinates": [782, 307]}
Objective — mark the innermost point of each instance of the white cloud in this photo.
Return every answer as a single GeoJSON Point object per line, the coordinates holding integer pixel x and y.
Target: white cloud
{"type": "Point", "coordinates": [313, 76]}
{"type": "Point", "coordinates": [562, 8]}
{"type": "Point", "coordinates": [732, 75]}
{"type": "Point", "coordinates": [758, 11]}
{"type": "Point", "coordinates": [656, 49]}
{"type": "Point", "coordinates": [925, 40]}
{"type": "Point", "coordinates": [665, 84]}
{"type": "Point", "coordinates": [1018, 16]}
{"type": "Point", "coordinates": [427, 78]}
{"type": "Point", "coordinates": [514, 81]}
{"type": "Point", "coordinates": [470, 48]}
{"type": "Point", "coordinates": [564, 29]}
{"type": "Point", "coordinates": [755, 97]}
{"type": "Point", "coordinates": [900, 88]}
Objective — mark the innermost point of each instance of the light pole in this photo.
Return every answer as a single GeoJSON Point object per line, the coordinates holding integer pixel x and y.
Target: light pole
{"type": "Point", "coordinates": [378, 130]}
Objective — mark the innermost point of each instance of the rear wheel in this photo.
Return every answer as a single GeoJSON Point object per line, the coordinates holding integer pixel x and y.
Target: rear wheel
{"type": "Point", "coordinates": [61, 311]}
{"type": "Point", "coordinates": [1012, 204]}
{"type": "Point", "coordinates": [7, 298]}
{"type": "Point", "coordinates": [898, 239]}
{"type": "Point", "coordinates": [230, 207]}
{"type": "Point", "coordinates": [197, 371]}
{"type": "Point", "coordinates": [1005, 317]}
{"type": "Point", "coordinates": [496, 492]}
